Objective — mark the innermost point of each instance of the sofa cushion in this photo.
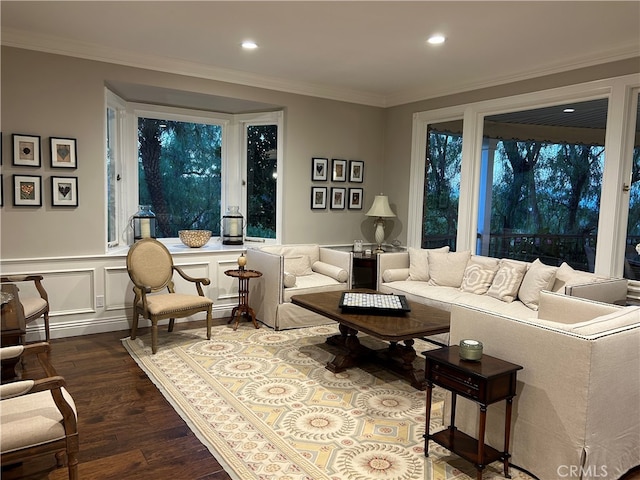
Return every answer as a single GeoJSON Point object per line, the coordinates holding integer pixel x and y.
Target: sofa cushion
{"type": "Point", "coordinates": [538, 277]}
{"type": "Point", "coordinates": [447, 268]}
{"type": "Point", "coordinates": [298, 265]}
{"type": "Point", "coordinates": [507, 281]}
{"type": "Point", "coordinates": [478, 276]}
{"type": "Point", "coordinates": [337, 273]}
{"type": "Point", "coordinates": [314, 283]}
{"type": "Point", "coordinates": [419, 262]}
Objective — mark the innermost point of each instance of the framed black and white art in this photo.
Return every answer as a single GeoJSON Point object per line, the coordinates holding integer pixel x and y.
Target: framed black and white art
{"type": "Point", "coordinates": [319, 169]}
{"type": "Point", "coordinates": [63, 153]}
{"type": "Point", "coordinates": [318, 198]}
{"type": "Point", "coordinates": [26, 150]}
{"type": "Point", "coordinates": [356, 171]}
{"type": "Point", "coordinates": [27, 190]}
{"type": "Point", "coordinates": [64, 191]}
{"type": "Point", "coordinates": [355, 198]}
{"type": "Point", "coordinates": [338, 198]}
{"type": "Point", "coordinates": [338, 170]}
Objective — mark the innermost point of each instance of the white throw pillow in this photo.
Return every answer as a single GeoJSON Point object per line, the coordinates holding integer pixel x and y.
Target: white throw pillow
{"type": "Point", "coordinates": [447, 268]}
{"type": "Point", "coordinates": [507, 281]}
{"type": "Point", "coordinates": [478, 277]}
{"type": "Point", "coordinates": [565, 275]}
{"type": "Point", "coordinates": [419, 262]}
{"type": "Point", "coordinates": [395, 275]}
{"type": "Point", "coordinates": [288, 280]}
{"type": "Point", "coordinates": [299, 265]}
{"type": "Point", "coordinates": [538, 277]}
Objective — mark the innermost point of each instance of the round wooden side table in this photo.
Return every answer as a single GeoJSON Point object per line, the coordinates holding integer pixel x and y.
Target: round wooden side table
{"type": "Point", "coordinates": [243, 308]}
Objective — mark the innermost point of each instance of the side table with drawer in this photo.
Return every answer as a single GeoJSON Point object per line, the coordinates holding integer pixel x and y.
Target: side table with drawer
{"type": "Point", "coordinates": [487, 381]}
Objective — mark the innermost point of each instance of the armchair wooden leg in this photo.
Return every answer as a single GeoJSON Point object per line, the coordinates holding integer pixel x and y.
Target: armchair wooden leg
{"type": "Point", "coordinates": [209, 322]}
{"type": "Point", "coordinates": [46, 326]}
{"type": "Point", "coordinates": [172, 321]}
{"type": "Point", "coordinates": [134, 324]}
{"type": "Point", "coordinates": [154, 336]}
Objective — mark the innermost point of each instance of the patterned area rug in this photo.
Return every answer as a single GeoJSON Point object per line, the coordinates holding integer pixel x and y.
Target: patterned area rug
{"type": "Point", "coordinates": [265, 406]}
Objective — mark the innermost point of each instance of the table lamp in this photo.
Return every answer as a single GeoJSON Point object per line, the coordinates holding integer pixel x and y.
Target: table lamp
{"type": "Point", "coordinates": [380, 209]}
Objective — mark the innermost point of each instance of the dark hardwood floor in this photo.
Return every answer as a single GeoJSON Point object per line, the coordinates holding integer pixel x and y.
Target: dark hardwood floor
{"type": "Point", "coordinates": [127, 428]}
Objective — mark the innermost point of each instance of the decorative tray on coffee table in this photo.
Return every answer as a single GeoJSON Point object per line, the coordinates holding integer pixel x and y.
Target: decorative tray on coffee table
{"type": "Point", "coordinates": [374, 303]}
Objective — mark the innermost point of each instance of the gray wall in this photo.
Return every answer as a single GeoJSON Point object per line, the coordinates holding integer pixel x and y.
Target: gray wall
{"type": "Point", "coordinates": [52, 95]}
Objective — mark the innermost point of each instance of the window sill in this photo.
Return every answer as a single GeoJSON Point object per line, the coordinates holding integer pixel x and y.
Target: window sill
{"type": "Point", "coordinates": [176, 247]}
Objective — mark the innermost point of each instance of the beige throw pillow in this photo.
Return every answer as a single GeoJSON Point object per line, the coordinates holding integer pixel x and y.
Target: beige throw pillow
{"type": "Point", "coordinates": [478, 277]}
{"type": "Point", "coordinates": [419, 262]}
{"type": "Point", "coordinates": [299, 265]}
{"type": "Point", "coordinates": [566, 275]}
{"type": "Point", "coordinates": [507, 281]}
{"type": "Point", "coordinates": [447, 268]}
{"type": "Point", "coordinates": [538, 277]}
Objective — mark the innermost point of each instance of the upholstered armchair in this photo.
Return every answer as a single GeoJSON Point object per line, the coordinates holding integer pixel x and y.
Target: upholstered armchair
{"type": "Point", "coordinates": [35, 305]}
{"type": "Point", "coordinates": [294, 270]}
{"type": "Point", "coordinates": [37, 416]}
{"type": "Point", "coordinates": [150, 267]}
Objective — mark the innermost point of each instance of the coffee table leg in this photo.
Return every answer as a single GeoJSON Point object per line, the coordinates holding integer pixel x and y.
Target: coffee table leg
{"type": "Point", "coordinates": [407, 355]}
{"type": "Point", "coordinates": [347, 339]}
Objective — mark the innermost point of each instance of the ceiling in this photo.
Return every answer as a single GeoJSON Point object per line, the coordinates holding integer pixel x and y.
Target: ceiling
{"type": "Point", "coordinates": [374, 53]}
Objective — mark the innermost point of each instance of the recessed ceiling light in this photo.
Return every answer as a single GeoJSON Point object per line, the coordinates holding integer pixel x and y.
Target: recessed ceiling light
{"type": "Point", "coordinates": [436, 39]}
{"type": "Point", "coordinates": [249, 45]}
{"type": "Point", "coordinates": [569, 110]}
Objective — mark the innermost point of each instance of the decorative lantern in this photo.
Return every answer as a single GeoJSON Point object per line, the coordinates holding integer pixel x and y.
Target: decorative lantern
{"type": "Point", "coordinates": [232, 227]}
{"type": "Point", "coordinates": [144, 223]}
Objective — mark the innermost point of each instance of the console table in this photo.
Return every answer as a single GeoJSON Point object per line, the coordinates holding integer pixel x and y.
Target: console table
{"type": "Point", "coordinates": [485, 382]}
{"type": "Point", "coordinates": [365, 270]}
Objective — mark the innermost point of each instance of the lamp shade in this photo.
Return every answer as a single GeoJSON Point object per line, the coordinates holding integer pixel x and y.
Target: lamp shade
{"type": "Point", "coordinates": [380, 207]}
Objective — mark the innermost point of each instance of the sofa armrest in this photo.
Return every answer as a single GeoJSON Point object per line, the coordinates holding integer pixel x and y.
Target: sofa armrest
{"type": "Point", "coordinates": [608, 291]}
{"type": "Point", "coordinates": [266, 292]}
{"type": "Point", "coordinates": [339, 258]}
{"type": "Point", "coordinates": [392, 260]}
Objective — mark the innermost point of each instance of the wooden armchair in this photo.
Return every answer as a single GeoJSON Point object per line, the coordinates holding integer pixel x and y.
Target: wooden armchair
{"type": "Point", "coordinates": [34, 306]}
{"type": "Point", "coordinates": [37, 416]}
{"type": "Point", "coordinates": [150, 267]}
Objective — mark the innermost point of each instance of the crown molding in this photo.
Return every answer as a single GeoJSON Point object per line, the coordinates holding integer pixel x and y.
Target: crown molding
{"type": "Point", "coordinates": [425, 93]}
{"type": "Point", "coordinates": [56, 45]}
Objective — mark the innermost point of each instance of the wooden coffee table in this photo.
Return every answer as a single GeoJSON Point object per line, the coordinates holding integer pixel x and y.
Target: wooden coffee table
{"type": "Point", "coordinates": [421, 321]}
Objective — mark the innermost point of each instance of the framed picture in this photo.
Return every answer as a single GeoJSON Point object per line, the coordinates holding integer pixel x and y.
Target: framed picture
{"type": "Point", "coordinates": [63, 153]}
{"type": "Point", "coordinates": [27, 190]}
{"type": "Point", "coordinates": [64, 191]}
{"type": "Point", "coordinates": [338, 170]}
{"type": "Point", "coordinates": [355, 198]}
{"type": "Point", "coordinates": [319, 169]}
{"type": "Point", "coordinates": [338, 200]}
{"type": "Point", "coordinates": [26, 150]}
{"type": "Point", "coordinates": [1, 190]}
{"type": "Point", "coordinates": [356, 171]}
{"type": "Point", "coordinates": [318, 198]}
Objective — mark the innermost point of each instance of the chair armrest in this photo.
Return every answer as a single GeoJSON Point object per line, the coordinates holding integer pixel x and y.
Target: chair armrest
{"type": "Point", "coordinates": [266, 292]}
{"type": "Point", "coordinates": [36, 279]}
{"type": "Point", "coordinates": [40, 349]}
{"type": "Point", "coordinates": [607, 291]}
{"type": "Point", "coordinates": [198, 281]}
{"type": "Point", "coordinates": [339, 258]}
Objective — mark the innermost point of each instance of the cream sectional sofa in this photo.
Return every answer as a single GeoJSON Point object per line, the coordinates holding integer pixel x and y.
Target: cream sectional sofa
{"type": "Point", "coordinates": [289, 270]}
{"type": "Point", "coordinates": [442, 279]}
{"type": "Point", "coordinates": [577, 410]}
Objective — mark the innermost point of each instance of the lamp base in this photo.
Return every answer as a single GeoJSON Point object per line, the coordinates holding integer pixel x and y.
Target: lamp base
{"type": "Point", "coordinates": [378, 249]}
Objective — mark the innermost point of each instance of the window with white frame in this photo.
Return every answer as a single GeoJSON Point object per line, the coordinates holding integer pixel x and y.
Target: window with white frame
{"type": "Point", "coordinates": [511, 169]}
{"type": "Point", "coordinates": [187, 166]}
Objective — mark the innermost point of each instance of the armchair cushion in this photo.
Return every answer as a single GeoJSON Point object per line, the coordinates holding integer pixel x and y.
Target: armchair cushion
{"type": "Point", "coordinates": [166, 303]}
{"type": "Point", "coordinates": [33, 305]}
{"type": "Point", "coordinates": [337, 273]}
{"type": "Point", "coordinates": [31, 420]}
